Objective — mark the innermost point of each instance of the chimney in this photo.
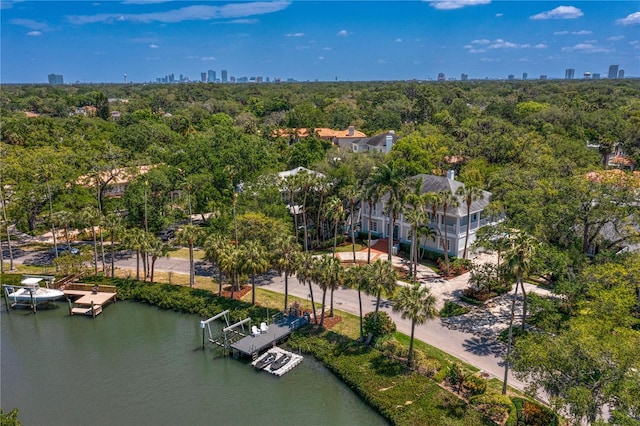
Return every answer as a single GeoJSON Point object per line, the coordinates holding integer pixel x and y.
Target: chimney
{"type": "Point", "coordinates": [351, 130]}
{"type": "Point", "coordinates": [451, 174]}
{"type": "Point", "coordinates": [389, 141]}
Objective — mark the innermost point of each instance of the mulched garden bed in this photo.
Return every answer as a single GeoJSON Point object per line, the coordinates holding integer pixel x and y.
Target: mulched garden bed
{"type": "Point", "coordinates": [238, 294]}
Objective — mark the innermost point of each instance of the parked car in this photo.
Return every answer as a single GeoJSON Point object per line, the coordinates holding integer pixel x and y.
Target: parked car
{"type": "Point", "coordinates": [167, 234]}
{"type": "Point", "coordinates": [65, 249]}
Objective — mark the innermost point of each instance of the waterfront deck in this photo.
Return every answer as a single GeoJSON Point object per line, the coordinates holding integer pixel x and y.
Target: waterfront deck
{"type": "Point", "coordinates": [257, 343]}
{"type": "Point", "coordinates": [87, 299]}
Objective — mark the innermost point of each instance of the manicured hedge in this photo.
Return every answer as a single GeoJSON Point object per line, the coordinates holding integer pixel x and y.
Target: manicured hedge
{"type": "Point", "coordinates": [402, 396]}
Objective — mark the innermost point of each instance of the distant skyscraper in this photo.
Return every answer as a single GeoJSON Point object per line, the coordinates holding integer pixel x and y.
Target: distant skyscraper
{"type": "Point", "coordinates": [223, 76]}
{"type": "Point", "coordinates": [613, 71]}
{"type": "Point", "coordinates": [55, 79]}
{"type": "Point", "coordinates": [511, 77]}
{"type": "Point", "coordinates": [595, 76]}
{"type": "Point", "coordinates": [203, 77]}
{"type": "Point", "coordinates": [441, 76]}
{"type": "Point", "coordinates": [621, 74]}
{"type": "Point", "coordinates": [543, 76]}
{"type": "Point", "coordinates": [569, 73]}
{"type": "Point", "coordinates": [464, 77]}
{"type": "Point", "coordinates": [211, 76]}
{"type": "Point", "coordinates": [525, 75]}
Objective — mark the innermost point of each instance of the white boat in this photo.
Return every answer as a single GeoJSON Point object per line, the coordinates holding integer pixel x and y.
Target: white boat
{"type": "Point", "coordinates": [31, 290]}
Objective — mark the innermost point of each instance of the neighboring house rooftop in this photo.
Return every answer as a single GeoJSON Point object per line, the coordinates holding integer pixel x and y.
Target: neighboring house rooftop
{"type": "Point", "coordinates": [31, 114]}
{"type": "Point", "coordinates": [297, 170]}
{"type": "Point", "coordinates": [120, 176]}
{"type": "Point", "coordinates": [381, 143]}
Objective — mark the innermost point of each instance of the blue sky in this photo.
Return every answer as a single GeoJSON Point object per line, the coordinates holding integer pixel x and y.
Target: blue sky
{"type": "Point", "coordinates": [100, 41]}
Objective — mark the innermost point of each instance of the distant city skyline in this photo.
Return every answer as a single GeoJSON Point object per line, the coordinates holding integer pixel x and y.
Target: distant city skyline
{"type": "Point", "coordinates": [141, 40]}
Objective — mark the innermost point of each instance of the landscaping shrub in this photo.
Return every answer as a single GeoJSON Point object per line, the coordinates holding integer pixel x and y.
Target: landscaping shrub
{"type": "Point", "coordinates": [484, 283]}
{"type": "Point", "coordinates": [452, 309]}
{"type": "Point", "coordinates": [380, 328]}
{"type": "Point", "coordinates": [494, 406]}
{"type": "Point", "coordinates": [531, 413]}
{"type": "Point", "coordinates": [457, 266]}
{"type": "Point", "coordinates": [474, 385]}
{"type": "Point", "coordinates": [429, 367]}
{"type": "Point", "coordinates": [455, 377]}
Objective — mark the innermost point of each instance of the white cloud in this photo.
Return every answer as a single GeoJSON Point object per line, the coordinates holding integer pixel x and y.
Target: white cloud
{"type": "Point", "coordinates": [615, 38]}
{"type": "Point", "coordinates": [188, 13]}
{"type": "Point", "coordinates": [489, 59]}
{"type": "Point", "coordinates": [381, 61]}
{"type": "Point", "coordinates": [498, 15]}
{"type": "Point", "coordinates": [632, 19]}
{"type": "Point", "coordinates": [144, 1]}
{"type": "Point", "coordinates": [31, 24]}
{"type": "Point", "coordinates": [327, 48]}
{"type": "Point", "coordinates": [561, 33]}
{"type": "Point", "coordinates": [524, 59]}
{"type": "Point", "coordinates": [153, 46]}
{"type": "Point", "coordinates": [321, 58]}
{"type": "Point", "coordinates": [343, 33]}
{"type": "Point", "coordinates": [540, 46]}
{"type": "Point", "coordinates": [586, 48]}
{"type": "Point", "coordinates": [294, 35]}
{"type": "Point", "coordinates": [398, 40]}
{"type": "Point", "coordinates": [455, 4]}
{"type": "Point", "coordinates": [583, 32]}
{"type": "Point", "coordinates": [501, 44]}
{"type": "Point", "coordinates": [34, 33]}
{"type": "Point", "coordinates": [208, 58]}
{"type": "Point", "coordinates": [241, 21]}
{"type": "Point", "coordinates": [560, 12]}
{"type": "Point", "coordinates": [482, 41]}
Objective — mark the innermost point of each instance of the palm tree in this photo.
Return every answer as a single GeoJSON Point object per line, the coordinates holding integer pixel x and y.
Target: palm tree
{"type": "Point", "coordinates": [232, 172]}
{"type": "Point", "coordinates": [284, 255]}
{"type": "Point", "coordinates": [382, 280]}
{"type": "Point", "coordinates": [415, 215]}
{"type": "Point", "coordinates": [157, 248]}
{"type": "Point", "coordinates": [518, 264]}
{"type": "Point", "coordinates": [91, 216]}
{"type": "Point", "coordinates": [63, 218]}
{"type": "Point", "coordinates": [447, 200]}
{"type": "Point", "coordinates": [113, 223]}
{"type": "Point", "coordinates": [350, 192]}
{"type": "Point", "coordinates": [213, 247]}
{"type": "Point", "coordinates": [135, 240]}
{"type": "Point", "coordinates": [335, 212]}
{"type": "Point", "coordinates": [428, 233]}
{"type": "Point", "coordinates": [371, 192]}
{"type": "Point", "coordinates": [47, 174]}
{"type": "Point", "coordinates": [391, 180]}
{"type": "Point", "coordinates": [357, 277]}
{"type": "Point", "coordinates": [305, 267]}
{"type": "Point", "coordinates": [417, 304]}
{"type": "Point", "coordinates": [256, 262]}
{"type": "Point", "coordinates": [306, 182]}
{"type": "Point", "coordinates": [469, 194]}
{"type": "Point", "coordinates": [231, 261]}
{"type": "Point", "coordinates": [189, 235]}
{"type": "Point", "coordinates": [327, 276]}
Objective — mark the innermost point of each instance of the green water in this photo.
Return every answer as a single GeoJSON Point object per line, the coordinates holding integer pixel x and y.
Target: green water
{"type": "Point", "coordinates": [138, 365]}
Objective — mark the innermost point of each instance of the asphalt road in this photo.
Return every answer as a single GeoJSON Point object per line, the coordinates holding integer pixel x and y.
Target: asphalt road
{"type": "Point", "coordinates": [485, 354]}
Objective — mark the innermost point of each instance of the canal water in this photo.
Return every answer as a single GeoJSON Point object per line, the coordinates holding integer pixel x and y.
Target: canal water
{"type": "Point", "coordinates": [139, 365]}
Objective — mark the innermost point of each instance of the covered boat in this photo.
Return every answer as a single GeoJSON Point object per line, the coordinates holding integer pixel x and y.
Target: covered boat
{"type": "Point", "coordinates": [31, 291]}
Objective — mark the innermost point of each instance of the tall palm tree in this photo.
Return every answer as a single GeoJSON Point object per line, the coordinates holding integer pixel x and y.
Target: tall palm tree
{"type": "Point", "coordinates": [382, 280]}
{"type": "Point", "coordinates": [91, 216]}
{"type": "Point", "coordinates": [350, 193]}
{"type": "Point", "coordinates": [447, 200]}
{"type": "Point", "coordinates": [231, 262]}
{"type": "Point", "coordinates": [135, 240]}
{"type": "Point", "coordinates": [157, 248]}
{"type": "Point", "coordinates": [518, 264]}
{"type": "Point", "coordinates": [415, 214]}
{"type": "Point", "coordinates": [371, 192]}
{"type": "Point", "coordinates": [327, 276]}
{"type": "Point", "coordinates": [335, 213]}
{"type": "Point", "coordinates": [469, 194]}
{"type": "Point", "coordinates": [305, 267]}
{"type": "Point", "coordinates": [47, 175]}
{"type": "Point", "coordinates": [357, 277]}
{"type": "Point", "coordinates": [113, 223]}
{"type": "Point", "coordinates": [64, 219]}
{"type": "Point", "coordinates": [306, 181]}
{"type": "Point", "coordinates": [232, 171]}
{"type": "Point", "coordinates": [284, 256]}
{"type": "Point", "coordinates": [213, 247]}
{"type": "Point", "coordinates": [417, 304]}
{"type": "Point", "coordinates": [189, 235]}
{"type": "Point", "coordinates": [391, 180]}
{"type": "Point", "coordinates": [255, 262]}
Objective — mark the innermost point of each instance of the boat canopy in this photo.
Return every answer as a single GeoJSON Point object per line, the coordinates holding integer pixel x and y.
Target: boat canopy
{"type": "Point", "coordinates": [30, 281]}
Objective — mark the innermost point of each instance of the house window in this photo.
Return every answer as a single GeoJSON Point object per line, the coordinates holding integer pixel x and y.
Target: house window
{"type": "Point", "coordinates": [474, 217]}
{"type": "Point", "coordinates": [374, 226]}
{"type": "Point", "coordinates": [441, 244]}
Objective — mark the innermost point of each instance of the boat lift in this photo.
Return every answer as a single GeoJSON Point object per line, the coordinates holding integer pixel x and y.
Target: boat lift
{"type": "Point", "coordinates": [229, 333]}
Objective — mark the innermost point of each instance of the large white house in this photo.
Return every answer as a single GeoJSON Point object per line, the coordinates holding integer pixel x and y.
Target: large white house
{"type": "Point", "coordinates": [456, 223]}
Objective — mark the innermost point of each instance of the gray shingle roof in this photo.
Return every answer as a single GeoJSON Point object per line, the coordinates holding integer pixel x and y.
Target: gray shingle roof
{"type": "Point", "coordinates": [433, 183]}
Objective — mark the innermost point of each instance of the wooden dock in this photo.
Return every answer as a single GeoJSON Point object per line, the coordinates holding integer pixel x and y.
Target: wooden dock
{"type": "Point", "coordinates": [277, 331]}
{"type": "Point", "coordinates": [88, 299]}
